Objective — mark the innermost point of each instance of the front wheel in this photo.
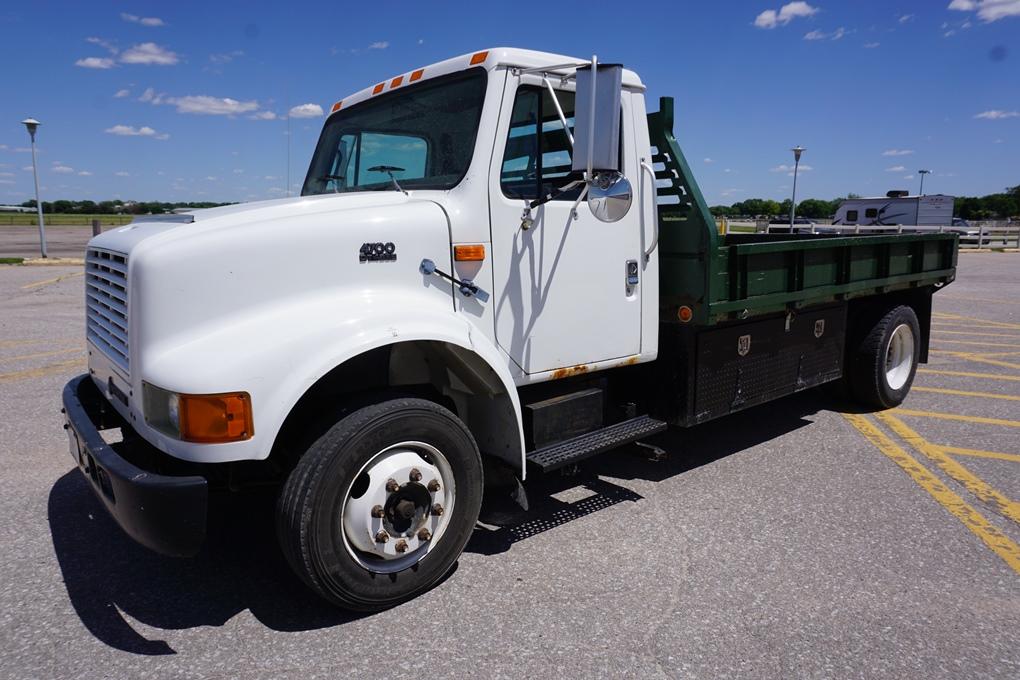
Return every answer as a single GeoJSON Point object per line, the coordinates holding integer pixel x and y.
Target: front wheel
{"type": "Point", "coordinates": [881, 368]}
{"type": "Point", "coordinates": [380, 507]}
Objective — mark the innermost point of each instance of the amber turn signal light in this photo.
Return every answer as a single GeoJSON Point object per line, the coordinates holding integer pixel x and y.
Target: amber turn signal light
{"type": "Point", "coordinates": [215, 418]}
{"type": "Point", "coordinates": [470, 253]}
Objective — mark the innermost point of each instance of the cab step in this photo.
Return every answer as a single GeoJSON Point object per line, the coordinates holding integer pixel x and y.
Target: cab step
{"type": "Point", "coordinates": [587, 445]}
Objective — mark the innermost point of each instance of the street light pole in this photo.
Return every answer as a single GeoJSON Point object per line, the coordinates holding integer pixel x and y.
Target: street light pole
{"type": "Point", "coordinates": [797, 151]}
{"type": "Point", "coordinates": [31, 124]}
{"type": "Point", "coordinates": [922, 173]}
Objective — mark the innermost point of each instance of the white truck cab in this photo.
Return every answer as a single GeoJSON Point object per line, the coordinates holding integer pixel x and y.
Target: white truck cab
{"type": "Point", "coordinates": [468, 286]}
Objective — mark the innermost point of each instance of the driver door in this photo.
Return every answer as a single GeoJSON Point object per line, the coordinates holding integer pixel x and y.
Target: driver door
{"type": "Point", "coordinates": [562, 295]}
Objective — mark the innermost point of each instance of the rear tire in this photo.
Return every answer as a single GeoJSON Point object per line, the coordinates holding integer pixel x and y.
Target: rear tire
{"type": "Point", "coordinates": [881, 368]}
{"type": "Point", "coordinates": [327, 520]}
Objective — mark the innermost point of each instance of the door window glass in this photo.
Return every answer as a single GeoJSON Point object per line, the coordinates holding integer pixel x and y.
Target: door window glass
{"type": "Point", "coordinates": [537, 156]}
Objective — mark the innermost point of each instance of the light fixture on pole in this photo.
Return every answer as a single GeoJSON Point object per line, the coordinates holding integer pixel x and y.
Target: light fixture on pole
{"type": "Point", "coordinates": [797, 151]}
{"type": "Point", "coordinates": [922, 173]}
{"type": "Point", "coordinates": [31, 124]}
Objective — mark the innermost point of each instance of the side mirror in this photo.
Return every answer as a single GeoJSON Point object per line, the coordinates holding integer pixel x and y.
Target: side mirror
{"type": "Point", "coordinates": [609, 196]}
{"type": "Point", "coordinates": [597, 118]}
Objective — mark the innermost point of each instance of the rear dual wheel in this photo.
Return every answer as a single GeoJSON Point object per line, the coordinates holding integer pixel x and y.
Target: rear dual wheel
{"type": "Point", "coordinates": [881, 367]}
{"type": "Point", "coordinates": [380, 507]}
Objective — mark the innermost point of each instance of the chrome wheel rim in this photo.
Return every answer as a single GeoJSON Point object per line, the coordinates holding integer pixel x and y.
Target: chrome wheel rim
{"type": "Point", "coordinates": [899, 356]}
{"type": "Point", "coordinates": [398, 506]}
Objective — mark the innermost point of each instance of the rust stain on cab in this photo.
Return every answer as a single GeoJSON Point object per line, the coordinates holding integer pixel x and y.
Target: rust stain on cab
{"type": "Point", "coordinates": [560, 373]}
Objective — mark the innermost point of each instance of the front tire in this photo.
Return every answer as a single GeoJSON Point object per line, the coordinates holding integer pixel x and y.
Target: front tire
{"type": "Point", "coordinates": [881, 367]}
{"type": "Point", "coordinates": [380, 507]}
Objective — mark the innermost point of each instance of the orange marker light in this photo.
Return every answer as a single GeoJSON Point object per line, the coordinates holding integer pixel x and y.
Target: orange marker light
{"type": "Point", "coordinates": [336, 107]}
{"type": "Point", "coordinates": [378, 88]}
{"type": "Point", "coordinates": [416, 75]}
{"type": "Point", "coordinates": [479, 57]}
{"type": "Point", "coordinates": [216, 418]}
{"type": "Point", "coordinates": [471, 253]}
{"type": "Point", "coordinates": [685, 313]}
{"type": "Point", "coordinates": [396, 82]}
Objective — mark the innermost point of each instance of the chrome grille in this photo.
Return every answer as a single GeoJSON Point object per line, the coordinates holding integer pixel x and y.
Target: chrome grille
{"type": "Point", "coordinates": [106, 299]}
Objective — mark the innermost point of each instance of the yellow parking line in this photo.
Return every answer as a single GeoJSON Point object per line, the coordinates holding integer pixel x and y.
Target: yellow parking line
{"type": "Point", "coordinates": [971, 518]}
{"type": "Point", "coordinates": [954, 469]}
{"type": "Point", "coordinates": [992, 362]}
{"type": "Point", "coordinates": [39, 372]}
{"type": "Point", "coordinates": [989, 322]}
{"type": "Point", "coordinates": [16, 343]}
{"type": "Point", "coordinates": [976, 344]}
{"type": "Point", "coordinates": [968, 374]}
{"type": "Point", "coordinates": [55, 279]}
{"type": "Point", "coordinates": [965, 393]}
{"type": "Point", "coordinates": [978, 453]}
{"type": "Point", "coordinates": [976, 299]}
{"type": "Point", "coordinates": [956, 416]}
{"type": "Point", "coordinates": [986, 335]}
{"type": "Point", "coordinates": [40, 355]}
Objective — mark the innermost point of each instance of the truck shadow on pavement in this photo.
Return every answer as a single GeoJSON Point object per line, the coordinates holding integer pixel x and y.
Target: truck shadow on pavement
{"type": "Point", "coordinates": [109, 577]}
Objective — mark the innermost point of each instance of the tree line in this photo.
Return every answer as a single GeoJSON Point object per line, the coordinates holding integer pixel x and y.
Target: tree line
{"type": "Point", "coordinates": [63, 207]}
{"type": "Point", "coordinates": [990, 207]}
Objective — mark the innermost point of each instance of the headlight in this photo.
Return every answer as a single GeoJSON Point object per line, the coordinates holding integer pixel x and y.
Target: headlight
{"type": "Point", "coordinates": [201, 418]}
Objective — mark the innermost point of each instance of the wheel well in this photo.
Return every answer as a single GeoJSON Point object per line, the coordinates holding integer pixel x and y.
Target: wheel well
{"type": "Point", "coordinates": [447, 374]}
{"type": "Point", "coordinates": [865, 313]}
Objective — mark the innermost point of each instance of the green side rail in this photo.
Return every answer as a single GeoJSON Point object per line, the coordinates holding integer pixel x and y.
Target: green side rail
{"type": "Point", "coordinates": [721, 277]}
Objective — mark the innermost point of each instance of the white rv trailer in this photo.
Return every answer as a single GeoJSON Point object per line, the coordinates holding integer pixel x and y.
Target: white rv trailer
{"type": "Point", "coordinates": [896, 208]}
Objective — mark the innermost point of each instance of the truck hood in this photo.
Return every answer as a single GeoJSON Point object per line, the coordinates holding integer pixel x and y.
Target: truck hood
{"type": "Point", "coordinates": [145, 227]}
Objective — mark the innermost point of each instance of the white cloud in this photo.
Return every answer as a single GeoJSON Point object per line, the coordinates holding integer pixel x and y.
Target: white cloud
{"type": "Point", "coordinates": [908, 177]}
{"type": "Point", "coordinates": [709, 160]}
{"type": "Point", "coordinates": [210, 178]}
{"type": "Point", "coordinates": [380, 45]}
{"type": "Point", "coordinates": [897, 152]}
{"type": "Point", "coordinates": [27, 168]}
{"type": "Point", "coordinates": [789, 168]}
{"type": "Point", "coordinates": [144, 21]}
{"type": "Point", "coordinates": [131, 131]}
{"type": "Point", "coordinates": [95, 62]}
{"type": "Point", "coordinates": [6, 174]}
{"type": "Point", "coordinates": [822, 35]}
{"type": "Point", "coordinates": [770, 18]}
{"type": "Point", "coordinates": [988, 10]}
{"type": "Point", "coordinates": [62, 169]}
{"type": "Point", "coordinates": [306, 111]}
{"type": "Point", "coordinates": [120, 94]}
{"type": "Point", "coordinates": [238, 171]}
{"type": "Point", "coordinates": [814, 35]}
{"type": "Point", "coordinates": [895, 168]}
{"type": "Point", "coordinates": [84, 173]}
{"type": "Point", "coordinates": [263, 115]}
{"type": "Point", "coordinates": [121, 173]}
{"type": "Point", "coordinates": [207, 105]}
{"type": "Point", "coordinates": [871, 45]}
{"type": "Point", "coordinates": [726, 193]}
{"type": "Point", "coordinates": [905, 18]}
{"type": "Point", "coordinates": [148, 54]}
{"type": "Point", "coordinates": [225, 57]}
{"type": "Point", "coordinates": [996, 114]}
{"type": "Point", "coordinates": [105, 44]}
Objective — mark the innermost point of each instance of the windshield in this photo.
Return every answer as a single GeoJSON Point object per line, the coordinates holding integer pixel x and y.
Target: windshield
{"type": "Point", "coordinates": [424, 135]}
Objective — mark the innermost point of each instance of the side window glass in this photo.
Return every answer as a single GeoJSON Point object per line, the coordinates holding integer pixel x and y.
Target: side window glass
{"type": "Point", "coordinates": [851, 215]}
{"type": "Point", "coordinates": [871, 212]}
{"type": "Point", "coordinates": [537, 156]}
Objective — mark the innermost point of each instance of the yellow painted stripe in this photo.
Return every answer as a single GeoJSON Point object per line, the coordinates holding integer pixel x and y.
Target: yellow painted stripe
{"type": "Point", "coordinates": [953, 468]}
{"type": "Point", "coordinates": [967, 374]}
{"type": "Point", "coordinates": [956, 416]}
{"type": "Point", "coordinates": [55, 279]}
{"type": "Point", "coordinates": [16, 343]}
{"type": "Point", "coordinates": [978, 453]}
{"type": "Point", "coordinates": [988, 322]}
{"type": "Point", "coordinates": [978, 357]}
{"type": "Point", "coordinates": [39, 372]}
{"type": "Point", "coordinates": [979, 299]}
{"type": "Point", "coordinates": [971, 518]}
{"type": "Point", "coordinates": [985, 335]}
{"type": "Point", "coordinates": [40, 355]}
{"type": "Point", "coordinates": [976, 344]}
{"type": "Point", "coordinates": [965, 393]}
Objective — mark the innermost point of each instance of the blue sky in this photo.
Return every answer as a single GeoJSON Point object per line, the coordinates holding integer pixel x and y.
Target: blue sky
{"type": "Point", "coordinates": [190, 101]}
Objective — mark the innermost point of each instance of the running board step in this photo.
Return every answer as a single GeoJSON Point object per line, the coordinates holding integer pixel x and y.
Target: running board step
{"type": "Point", "coordinates": [587, 445]}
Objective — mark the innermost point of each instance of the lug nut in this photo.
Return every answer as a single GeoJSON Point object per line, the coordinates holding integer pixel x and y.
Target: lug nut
{"type": "Point", "coordinates": [424, 534]}
{"type": "Point", "coordinates": [437, 509]}
{"type": "Point", "coordinates": [382, 537]}
{"type": "Point", "coordinates": [415, 475]}
{"type": "Point", "coordinates": [377, 511]}
{"type": "Point", "coordinates": [392, 486]}
{"type": "Point", "coordinates": [434, 485]}
{"type": "Point", "coordinates": [401, 546]}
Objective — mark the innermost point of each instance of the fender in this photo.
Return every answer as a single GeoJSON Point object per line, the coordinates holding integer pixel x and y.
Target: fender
{"type": "Point", "coordinates": [314, 336]}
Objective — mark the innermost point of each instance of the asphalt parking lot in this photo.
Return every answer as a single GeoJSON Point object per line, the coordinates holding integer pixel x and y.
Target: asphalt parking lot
{"type": "Point", "coordinates": [792, 540]}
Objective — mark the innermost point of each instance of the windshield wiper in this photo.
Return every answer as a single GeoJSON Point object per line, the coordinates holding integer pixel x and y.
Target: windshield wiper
{"type": "Point", "coordinates": [389, 170]}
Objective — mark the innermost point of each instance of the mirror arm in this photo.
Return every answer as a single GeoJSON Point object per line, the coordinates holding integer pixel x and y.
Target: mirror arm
{"type": "Point", "coordinates": [550, 196]}
{"type": "Point", "coordinates": [591, 113]}
{"type": "Point", "coordinates": [559, 110]}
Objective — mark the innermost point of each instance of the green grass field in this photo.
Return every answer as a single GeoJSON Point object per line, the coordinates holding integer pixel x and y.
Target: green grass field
{"type": "Point", "coordinates": [30, 219]}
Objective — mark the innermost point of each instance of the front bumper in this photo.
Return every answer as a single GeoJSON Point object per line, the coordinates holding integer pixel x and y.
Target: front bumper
{"type": "Point", "coordinates": [166, 513]}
